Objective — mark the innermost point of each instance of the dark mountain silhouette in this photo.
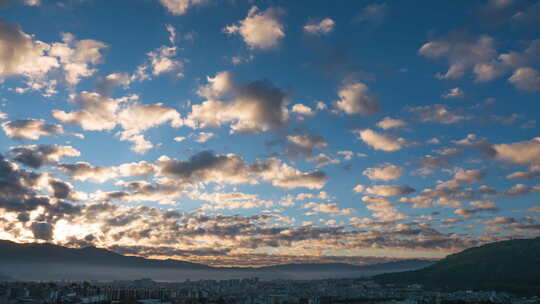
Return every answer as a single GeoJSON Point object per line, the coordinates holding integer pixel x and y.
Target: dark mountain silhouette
{"type": "Point", "coordinates": [47, 261]}
{"type": "Point", "coordinates": [508, 266]}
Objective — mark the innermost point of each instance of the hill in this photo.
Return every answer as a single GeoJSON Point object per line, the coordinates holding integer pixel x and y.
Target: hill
{"type": "Point", "coordinates": [512, 266]}
{"type": "Point", "coordinates": [51, 262]}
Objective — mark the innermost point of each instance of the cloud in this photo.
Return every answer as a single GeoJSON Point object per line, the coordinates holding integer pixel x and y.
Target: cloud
{"type": "Point", "coordinates": [464, 53]}
{"type": "Point", "coordinates": [380, 141]}
{"type": "Point", "coordinates": [99, 113]}
{"type": "Point", "coordinates": [82, 171]}
{"type": "Point", "coordinates": [462, 177]}
{"type": "Point", "coordinates": [218, 86]}
{"type": "Point", "coordinates": [42, 231]}
{"type": "Point", "coordinates": [77, 56]}
{"type": "Point", "coordinates": [454, 93]}
{"type": "Point", "coordinates": [180, 7]}
{"type": "Point", "coordinates": [478, 206]}
{"type": "Point", "coordinates": [302, 109]}
{"type": "Point", "coordinates": [355, 98]}
{"type": "Point", "coordinates": [327, 208]}
{"type": "Point", "coordinates": [162, 60]}
{"type": "Point", "coordinates": [207, 167]}
{"type": "Point", "coordinates": [30, 129]}
{"type": "Point", "coordinates": [436, 113]}
{"type": "Point", "coordinates": [255, 107]}
{"type": "Point", "coordinates": [21, 55]}
{"type": "Point", "coordinates": [522, 153]}
{"type": "Point", "coordinates": [204, 137]}
{"type": "Point", "coordinates": [260, 29]}
{"type": "Point", "coordinates": [390, 123]}
{"type": "Point", "coordinates": [522, 175]}
{"type": "Point", "coordinates": [36, 156]}
{"type": "Point", "coordinates": [384, 172]}
{"type": "Point", "coordinates": [526, 79]}
{"type": "Point", "coordinates": [521, 189]}
{"type": "Point", "coordinates": [383, 209]}
{"type": "Point", "coordinates": [373, 13]}
{"type": "Point", "coordinates": [325, 26]}
{"type": "Point", "coordinates": [308, 141]}
{"type": "Point", "coordinates": [387, 190]}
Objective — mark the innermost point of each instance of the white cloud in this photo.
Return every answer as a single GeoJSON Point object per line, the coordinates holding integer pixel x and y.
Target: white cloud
{"type": "Point", "coordinates": [325, 26]}
{"type": "Point", "coordinates": [462, 53]}
{"type": "Point", "coordinates": [380, 141]}
{"type": "Point", "coordinates": [384, 172]}
{"type": "Point", "coordinates": [218, 86]}
{"type": "Point", "coordinates": [180, 7]}
{"type": "Point", "coordinates": [355, 98]}
{"type": "Point", "coordinates": [389, 123]}
{"type": "Point", "coordinates": [526, 79]}
{"type": "Point", "coordinates": [30, 129]}
{"type": "Point", "coordinates": [388, 190]}
{"type": "Point", "coordinates": [523, 153]}
{"type": "Point", "coordinates": [436, 113]}
{"type": "Point", "coordinates": [100, 113]}
{"type": "Point", "coordinates": [254, 107]}
{"type": "Point", "coordinates": [260, 29]}
{"type": "Point", "coordinates": [454, 93]}
{"type": "Point", "coordinates": [203, 137]}
{"type": "Point", "coordinates": [302, 109]}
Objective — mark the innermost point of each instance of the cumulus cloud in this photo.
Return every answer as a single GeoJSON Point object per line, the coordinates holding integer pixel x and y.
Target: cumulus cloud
{"type": "Point", "coordinates": [180, 7]}
{"type": "Point", "coordinates": [99, 113]}
{"type": "Point", "coordinates": [327, 208]}
{"type": "Point", "coordinates": [207, 167]}
{"type": "Point", "coordinates": [462, 177]}
{"type": "Point", "coordinates": [163, 60]}
{"type": "Point", "coordinates": [522, 175]}
{"type": "Point", "coordinates": [302, 109]}
{"type": "Point", "coordinates": [379, 141]}
{"type": "Point", "coordinates": [388, 190]}
{"type": "Point", "coordinates": [526, 79]}
{"type": "Point", "coordinates": [204, 137]}
{"type": "Point", "coordinates": [478, 206]}
{"type": "Point", "coordinates": [384, 172]}
{"type": "Point", "coordinates": [254, 107]}
{"type": "Point", "coordinates": [308, 141]}
{"type": "Point", "coordinates": [77, 56]}
{"type": "Point", "coordinates": [454, 93]}
{"type": "Point", "coordinates": [436, 113]}
{"type": "Point", "coordinates": [464, 53]}
{"type": "Point", "coordinates": [356, 98]}
{"type": "Point", "coordinates": [522, 153]}
{"type": "Point", "coordinates": [260, 29]}
{"type": "Point", "coordinates": [30, 129]}
{"type": "Point", "coordinates": [323, 27]}
{"type": "Point", "coordinates": [82, 171]}
{"type": "Point", "coordinates": [390, 123]}
{"type": "Point", "coordinates": [218, 86]}
{"type": "Point", "coordinates": [36, 156]}
{"type": "Point", "coordinates": [382, 208]}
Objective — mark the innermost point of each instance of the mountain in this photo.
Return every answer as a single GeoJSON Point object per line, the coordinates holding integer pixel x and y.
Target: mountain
{"type": "Point", "coordinates": [52, 262]}
{"type": "Point", "coordinates": [512, 265]}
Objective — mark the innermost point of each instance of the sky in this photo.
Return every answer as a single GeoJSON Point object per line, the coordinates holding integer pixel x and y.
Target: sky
{"type": "Point", "coordinates": [250, 133]}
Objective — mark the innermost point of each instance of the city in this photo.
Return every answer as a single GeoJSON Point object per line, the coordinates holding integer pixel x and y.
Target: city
{"type": "Point", "coordinates": [242, 291]}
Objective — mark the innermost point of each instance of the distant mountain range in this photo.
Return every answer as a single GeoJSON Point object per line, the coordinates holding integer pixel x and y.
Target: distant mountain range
{"type": "Point", "coordinates": [52, 262]}
{"type": "Point", "coordinates": [508, 265]}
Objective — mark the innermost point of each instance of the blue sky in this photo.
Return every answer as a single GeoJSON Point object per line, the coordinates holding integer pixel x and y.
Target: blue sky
{"type": "Point", "coordinates": [270, 131]}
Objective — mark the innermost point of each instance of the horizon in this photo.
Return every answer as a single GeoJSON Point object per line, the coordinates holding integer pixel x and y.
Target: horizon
{"type": "Point", "coordinates": [256, 133]}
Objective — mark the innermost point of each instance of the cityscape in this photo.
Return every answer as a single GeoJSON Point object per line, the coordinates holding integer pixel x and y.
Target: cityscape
{"type": "Point", "coordinates": [244, 291]}
{"type": "Point", "coordinates": [269, 151]}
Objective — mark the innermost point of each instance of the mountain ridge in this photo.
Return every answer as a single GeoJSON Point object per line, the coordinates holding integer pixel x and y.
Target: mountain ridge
{"type": "Point", "coordinates": [36, 261]}
{"type": "Point", "coordinates": [511, 265]}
